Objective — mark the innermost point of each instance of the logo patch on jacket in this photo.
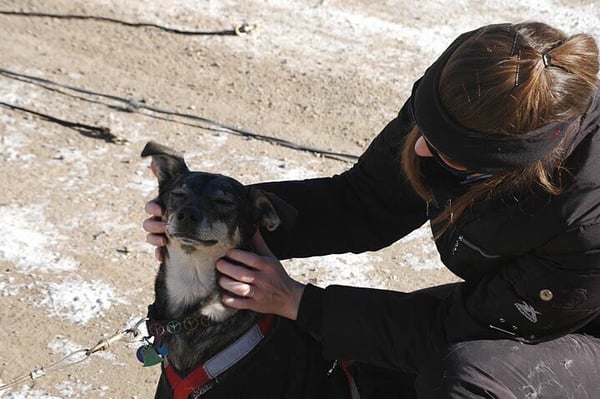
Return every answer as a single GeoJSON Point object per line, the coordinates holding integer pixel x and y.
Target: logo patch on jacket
{"type": "Point", "coordinates": [528, 311]}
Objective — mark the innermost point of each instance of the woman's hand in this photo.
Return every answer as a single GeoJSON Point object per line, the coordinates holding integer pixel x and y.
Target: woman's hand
{"type": "Point", "coordinates": [155, 227]}
{"type": "Point", "coordinates": [262, 285]}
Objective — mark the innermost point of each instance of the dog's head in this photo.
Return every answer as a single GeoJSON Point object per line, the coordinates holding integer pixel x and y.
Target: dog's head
{"type": "Point", "coordinates": [204, 209]}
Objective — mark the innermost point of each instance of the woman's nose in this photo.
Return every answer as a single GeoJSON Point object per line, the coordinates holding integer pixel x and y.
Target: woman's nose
{"type": "Point", "coordinates": [422, 149]}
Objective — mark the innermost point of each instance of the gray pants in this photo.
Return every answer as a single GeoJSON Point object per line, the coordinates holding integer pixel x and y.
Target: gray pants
{"type": "Point", "coordinates": [565, 368]}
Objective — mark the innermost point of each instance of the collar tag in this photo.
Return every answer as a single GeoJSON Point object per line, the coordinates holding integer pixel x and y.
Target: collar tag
{"type": "Point", "coordinates": [148, 356]}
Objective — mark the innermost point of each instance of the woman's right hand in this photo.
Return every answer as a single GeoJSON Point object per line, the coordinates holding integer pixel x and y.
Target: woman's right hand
{"type": "Point", "coordinates": [155, 227]}
{"type": "Point", "coordinates": [259, 282]}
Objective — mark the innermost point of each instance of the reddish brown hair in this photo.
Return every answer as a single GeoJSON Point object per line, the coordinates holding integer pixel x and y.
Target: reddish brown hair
{"type": "Point", "coordinates": [508, 80]}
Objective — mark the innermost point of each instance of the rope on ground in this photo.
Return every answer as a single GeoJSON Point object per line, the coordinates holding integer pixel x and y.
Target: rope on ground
{"type": "Point", "coordinates": [129, 334]}
{"type": "Point", "coordinates": [238, 30]}
{"type": "Point", "coordinates": [136, 106]}
{"type": "Point", "coordinates": [95, 132]}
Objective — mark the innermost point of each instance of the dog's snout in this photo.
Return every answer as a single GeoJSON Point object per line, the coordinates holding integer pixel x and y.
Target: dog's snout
{"type": "Point", "coordinates": [188, 214]}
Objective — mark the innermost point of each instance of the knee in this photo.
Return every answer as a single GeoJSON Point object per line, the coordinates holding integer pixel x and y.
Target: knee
{"type": "Point", "coordinates": [463, 371]}
{"type": "Point", "coordinates": [509, 369]}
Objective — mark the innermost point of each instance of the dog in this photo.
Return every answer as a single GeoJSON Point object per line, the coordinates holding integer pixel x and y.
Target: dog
{"type": "Point", "coordinates": [207, 349]}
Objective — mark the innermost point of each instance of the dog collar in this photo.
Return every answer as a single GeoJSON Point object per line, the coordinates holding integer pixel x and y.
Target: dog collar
{"type": "Point", "coordinates": [159, 328]}
{"type": "Point", "coordinates": [202, 378]}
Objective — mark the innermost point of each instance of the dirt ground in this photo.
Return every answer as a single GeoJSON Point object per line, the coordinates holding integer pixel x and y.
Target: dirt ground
{"type": "Point", "coordinates": [79, 98]}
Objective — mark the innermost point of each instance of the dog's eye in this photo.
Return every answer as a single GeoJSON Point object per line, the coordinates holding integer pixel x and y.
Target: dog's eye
{"type": "Point", "coordinates": [223, 202]}
{"type": "Point", "coordinates": [177, 194]}
{"type": "Point", "coordinates": [223, 199]}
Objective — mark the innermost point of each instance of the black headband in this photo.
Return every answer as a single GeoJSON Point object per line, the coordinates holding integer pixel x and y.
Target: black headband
{"type": "Point", "coordinates": [479, 152]}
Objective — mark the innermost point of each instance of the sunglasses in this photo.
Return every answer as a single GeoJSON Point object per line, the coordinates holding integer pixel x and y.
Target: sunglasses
{"type": "Point", "coordinates": [437, 157]}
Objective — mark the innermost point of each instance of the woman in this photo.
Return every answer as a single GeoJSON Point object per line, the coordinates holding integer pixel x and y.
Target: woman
{"type": "Point", "coordinates": [499, 147]}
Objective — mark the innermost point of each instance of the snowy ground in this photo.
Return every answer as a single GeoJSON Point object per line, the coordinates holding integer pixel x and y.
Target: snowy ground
{"type": "Point", "coordinates": [326, 74]}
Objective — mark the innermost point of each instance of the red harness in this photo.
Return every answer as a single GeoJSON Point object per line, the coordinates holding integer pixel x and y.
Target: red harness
{"type": "Point", "coordinates": [345, 366]}
{"type": "Point", "coordinates": [201, 379]}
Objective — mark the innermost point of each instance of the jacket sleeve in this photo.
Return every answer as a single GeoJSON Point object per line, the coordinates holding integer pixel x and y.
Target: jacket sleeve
{"type": "Point", "coordinates": [542, 282]}
{"type": "Point", "coordinates": [364, 208]}
{"type": "Point", "coordinates": [533, 298]}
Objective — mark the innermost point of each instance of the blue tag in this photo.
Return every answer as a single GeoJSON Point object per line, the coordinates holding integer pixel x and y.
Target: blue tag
{"type": "Point", "coordinates": [138, 354]}
{"type": "Point", "coordinates": [162, 350]}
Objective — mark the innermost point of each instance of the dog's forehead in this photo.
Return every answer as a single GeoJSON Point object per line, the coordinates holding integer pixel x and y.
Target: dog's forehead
{"type": "Point", "coordinates": [203, 181]}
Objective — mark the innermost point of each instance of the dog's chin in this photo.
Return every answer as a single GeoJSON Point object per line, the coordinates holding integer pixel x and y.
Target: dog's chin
{"type": "Point", "coordinates": [188, 241]}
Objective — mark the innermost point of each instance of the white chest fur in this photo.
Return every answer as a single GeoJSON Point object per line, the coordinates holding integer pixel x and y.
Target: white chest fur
{"type": "Point", "coordinates": [190, 276]}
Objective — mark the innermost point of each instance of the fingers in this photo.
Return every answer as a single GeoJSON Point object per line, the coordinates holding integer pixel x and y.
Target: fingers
{"type": "Point", "coordinates": [156, 231]}
{"type": "Point", "coordinates": [237, 282]}
{"type": "Point", "coordinates": [154, 209]}
{"type": "Point", "coordinates": [237, 302]}
{"type": "Point", "coordinates": [158, 240]}
{"type": "Point", "coordinates": [249, 259]}
{"type": "Point", "coordinates": [260, 291]}
{"type": "Point", "coordinates": [236, 294]}
{"type": "Point", "coordinates": [261, 284]}
{"type": "Point", "coordinates": [235, 272]}
{"type": "Point", "coordinates": [155, 226]}
{"type": "Point", "coordinates": [256, 260]}
{"type": "Point", "coordinates": [246, 291]}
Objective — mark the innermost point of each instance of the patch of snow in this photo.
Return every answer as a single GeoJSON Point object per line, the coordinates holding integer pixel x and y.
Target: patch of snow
{"type": "Point", "coordinates": [284, 169]}
{"type": "Point", "coordinates": [9, 288]}
{"type": "Point", "coordinates": [75, 389]}
{"type": "Point", "coordinates": [79, 301]}
{"type": "Point", "coordinates": [31, 240]}
{"type": "Point", "coordinates": [419, 251]}
{"type": "Point", "coordinates": [344, 269]}
{"type": "Point", "coordinates": [143, 182]}
{"type": "Point", "coordinates": [27, 393]}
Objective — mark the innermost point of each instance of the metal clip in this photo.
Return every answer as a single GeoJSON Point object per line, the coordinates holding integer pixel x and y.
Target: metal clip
{"type": "Point", "coordinates": [135, 330]}
{"type": "Point", "coordinates": [105, 343]}
{"type": "Point", "coordinates": [333, 366]}
{"type": "Point", "coordinates": [244, 28]}
{"type": "Point", "coordinates": [37, 373]}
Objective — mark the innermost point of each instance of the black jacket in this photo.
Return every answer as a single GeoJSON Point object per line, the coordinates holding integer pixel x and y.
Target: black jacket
{"type": "Point", "coordinates": [531, 268]}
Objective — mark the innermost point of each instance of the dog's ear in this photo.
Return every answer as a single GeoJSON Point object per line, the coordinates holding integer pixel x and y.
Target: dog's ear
{"type": "Point", "coordinates": [272, 211]}
{"type": "Point", "coordinates": [168, 162]}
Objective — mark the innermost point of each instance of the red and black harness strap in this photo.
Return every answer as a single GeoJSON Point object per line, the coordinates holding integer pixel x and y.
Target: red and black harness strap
{"type": "Point", "coordinates": [202, 379]}
{"type": "Point", "coordinates": [345, 365]}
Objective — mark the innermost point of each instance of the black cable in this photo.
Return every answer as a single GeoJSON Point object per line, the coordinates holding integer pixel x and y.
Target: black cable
{"type": "Point", "coordinates": [95, 132]}
{"type": "Point", "coordinates": [132, 106]}
{"type": "Point", "coordinates": [237, 31]}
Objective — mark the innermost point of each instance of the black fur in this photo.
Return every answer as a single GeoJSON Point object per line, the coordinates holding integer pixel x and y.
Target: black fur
{"type": "Point", "coordinates": [206, 215]}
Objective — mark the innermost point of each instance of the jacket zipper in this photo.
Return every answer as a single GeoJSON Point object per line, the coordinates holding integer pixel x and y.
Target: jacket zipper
{"type": "Point", "coordinates": [463, 240]}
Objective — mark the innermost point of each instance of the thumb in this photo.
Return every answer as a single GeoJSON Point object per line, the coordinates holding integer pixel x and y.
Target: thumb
{"type": "Point", "coordinates": [260, 246]}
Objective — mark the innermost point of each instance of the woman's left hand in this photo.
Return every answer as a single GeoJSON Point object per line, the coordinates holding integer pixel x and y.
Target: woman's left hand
{"type": "Point", "coordinates": [261, 285]}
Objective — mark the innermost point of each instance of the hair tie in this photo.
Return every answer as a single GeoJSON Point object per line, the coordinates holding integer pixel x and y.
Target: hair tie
{"type": "Point", "coordinates": [547, 60]}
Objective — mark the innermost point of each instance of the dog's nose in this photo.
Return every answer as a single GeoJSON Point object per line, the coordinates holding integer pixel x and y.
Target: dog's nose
{"type": "Point", "coordinates": [188, 214]}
